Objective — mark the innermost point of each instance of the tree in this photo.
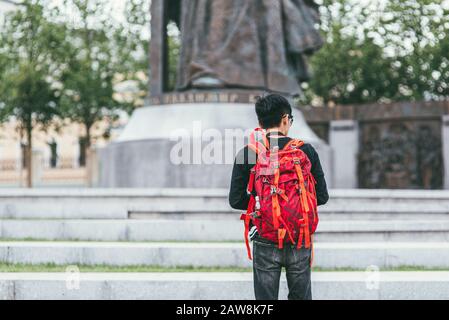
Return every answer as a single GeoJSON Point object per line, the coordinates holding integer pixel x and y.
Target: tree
{"type": "Point", "coordinates": [348, 71]}
{"type": "Point", "coordinates": [438, 87]}
{"type": "Point", "coordinates": [3, 83]}
{"type": "Point", "coordinates": [97, 57]}
{"type": "Point", "coordinates": [380, 51]}
{"type": "Point", "coordinates": [419, 34]}
{"type": "Point", "coordinates": [133, 41]}
{"type": "Point", "coordinates": [28, 91]}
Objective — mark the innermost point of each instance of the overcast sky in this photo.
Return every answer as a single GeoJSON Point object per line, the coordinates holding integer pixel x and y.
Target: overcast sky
{"type": "Point", "coordinates": [5, 6]}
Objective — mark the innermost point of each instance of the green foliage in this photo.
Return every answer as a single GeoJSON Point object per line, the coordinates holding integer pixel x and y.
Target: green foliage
{"type": "Point", "coordinates": [98, 56]}
{"type": "Point", "coordinates": [29, 91]}
{"type": "Point", "coordinates": [349, 72]}
{"type": "Point", "coordinates": [68, 59]}
{"type": "Point", "coordinates": [438, 83]}
{"type": "Point", "coordinates": [31, 99]}
{"type": "Point", "coordinates": [381, 51]}
{"type": "Point", "coordinates": [132, 45]}
{"type": "Point", "coordinates": [89, 72]}
{"type": "Point", "coordinates": [26, 64]}
{"type": "Point", "coordinates": [3, 84]}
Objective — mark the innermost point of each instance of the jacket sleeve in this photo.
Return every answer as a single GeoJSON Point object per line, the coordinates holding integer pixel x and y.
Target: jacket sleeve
{"type": "Point", "coordinates": [238, 197]}
{"type": "Point", "coordinates": [317, 172]}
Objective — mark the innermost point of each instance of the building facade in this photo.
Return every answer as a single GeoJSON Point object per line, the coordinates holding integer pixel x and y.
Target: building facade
{"type": "Point", "coordinates": [59, 157]}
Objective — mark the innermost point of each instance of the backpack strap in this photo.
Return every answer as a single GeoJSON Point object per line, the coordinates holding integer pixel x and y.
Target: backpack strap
{"type": "Point", "coordinates": [252, 208]}
{"type": "Point", "coordinates": [294, 144]}
{"type": "Point", "coordinates": [258, 147]}
{"type": "Point", "coordinates": [304, 203]}
{"type": "Point", "coordinates": [275, 200]}
{"type": "Point", "coordinates": [281, 237]}
{"type": "Point", "coordinates": [247, 219]}
{"type": "Point", "coordinates": [255, 144]}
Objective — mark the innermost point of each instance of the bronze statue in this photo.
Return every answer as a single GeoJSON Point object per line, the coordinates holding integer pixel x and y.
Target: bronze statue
{"type": "Point", "coordinates": [243, 44]}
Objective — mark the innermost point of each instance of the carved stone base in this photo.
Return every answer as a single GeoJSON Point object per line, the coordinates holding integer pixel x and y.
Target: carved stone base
{"type": "Point", "coordinates": [148, 153]}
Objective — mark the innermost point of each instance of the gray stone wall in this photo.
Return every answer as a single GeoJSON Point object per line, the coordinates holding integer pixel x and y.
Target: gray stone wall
{"type": "Point", "coordinates": [397, 146]}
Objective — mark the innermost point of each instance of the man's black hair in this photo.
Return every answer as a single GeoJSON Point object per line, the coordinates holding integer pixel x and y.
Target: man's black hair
{"type": "Point", "coordinates": [271, 109]}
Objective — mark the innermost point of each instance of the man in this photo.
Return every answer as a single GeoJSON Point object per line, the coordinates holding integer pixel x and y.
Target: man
{"type": "Point", "coordinates": [274, 113]}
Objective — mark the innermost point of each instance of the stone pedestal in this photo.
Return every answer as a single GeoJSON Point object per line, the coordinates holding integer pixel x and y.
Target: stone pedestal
{"type": "Point", "coordinates": [187, 146]}
{"type": "Point", "coordinates": [344, 141]}
{"type": "Point", "coordinates": [92, 169]}
{"type": "Point", "coordinates": [37, 167]}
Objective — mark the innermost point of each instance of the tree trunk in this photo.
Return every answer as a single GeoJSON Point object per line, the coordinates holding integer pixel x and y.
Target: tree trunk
{"type": "Point", "coordinates": [29, 158]}
{"type": "Point", "coordinates": [88, 156]}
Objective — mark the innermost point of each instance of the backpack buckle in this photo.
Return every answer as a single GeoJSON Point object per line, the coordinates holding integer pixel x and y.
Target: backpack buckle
{"type": "Point", "coordinates": [257, 206]}
{"type": "Point", "coordinates": [256, 215]}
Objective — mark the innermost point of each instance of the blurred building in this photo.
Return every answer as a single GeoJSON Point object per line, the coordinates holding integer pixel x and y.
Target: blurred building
{"type": "Point", "coordinates": [58, 153]}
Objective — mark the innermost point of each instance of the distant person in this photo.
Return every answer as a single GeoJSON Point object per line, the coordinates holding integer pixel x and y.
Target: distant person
{"type": "Point", "coordinates": [279, 182]}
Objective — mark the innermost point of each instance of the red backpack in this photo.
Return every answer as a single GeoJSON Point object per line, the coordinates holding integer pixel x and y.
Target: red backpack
{"type": "Point", "coordinates": [283, 204]}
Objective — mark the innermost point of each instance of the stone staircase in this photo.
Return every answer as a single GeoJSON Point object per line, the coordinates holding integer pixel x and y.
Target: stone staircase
{"type": "Point", "coordinates": [169, 228]}
{"type": "Point", "coordinates": [220, 286]}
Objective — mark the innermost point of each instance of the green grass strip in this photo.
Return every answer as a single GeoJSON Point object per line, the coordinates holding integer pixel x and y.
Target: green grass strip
{"type": "Point", "coordinates": [52, 268]}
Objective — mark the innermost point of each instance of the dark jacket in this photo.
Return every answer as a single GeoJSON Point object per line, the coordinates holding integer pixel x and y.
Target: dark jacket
{"type": "Point", "coordinates": [246, 160]}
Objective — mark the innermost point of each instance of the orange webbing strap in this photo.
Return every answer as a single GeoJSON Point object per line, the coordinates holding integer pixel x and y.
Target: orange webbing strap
{"type": "Point", "coordinates": [302, 185]}
{"type": "Point", "coordinates": [255, 142]}
{"type": "Point", "coordinates": [252, 179]}
{"type": "Point", "coordinates": [312, 197]}
{"type": "Point", "coordinates": [247, 221]}
{"type": "Point", "coordinates": [290, 235]}
{"type": "Point", "coordinates": [258, 148]}
{"type": "Point", "coordinates": [283, 195]}
{"type": "Point", "coordinates": [304, 202]}
{"type": "Point", "coordinates": [294, 143]}
{"type": "Point", "coordinates": [304, 233]}
{"type": "Point", "coordinates": [281, 237]}
{"type": "Point", "coordinates": [275, 201]}
{"type": "Point", "coordinates": [276, 211]}
{"type": "Point", "coordinates": [250, 210]}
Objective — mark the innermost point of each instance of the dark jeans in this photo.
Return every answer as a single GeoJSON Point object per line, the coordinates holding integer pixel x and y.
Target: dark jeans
{"type": "Point", "coordinates": [267, 264]}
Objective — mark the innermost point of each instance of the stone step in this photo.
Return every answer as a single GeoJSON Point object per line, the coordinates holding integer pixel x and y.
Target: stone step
{"type": "Point", "coordinates": [328, 255]}
{"type": "Point", "coordinates": [218, 230]}
{"type": "Point", "coordinates": [218, 286]}
{"type": "Point", "coordinates": [123, 203]}
{"type": "Point", "coordinates": [324, 212]}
